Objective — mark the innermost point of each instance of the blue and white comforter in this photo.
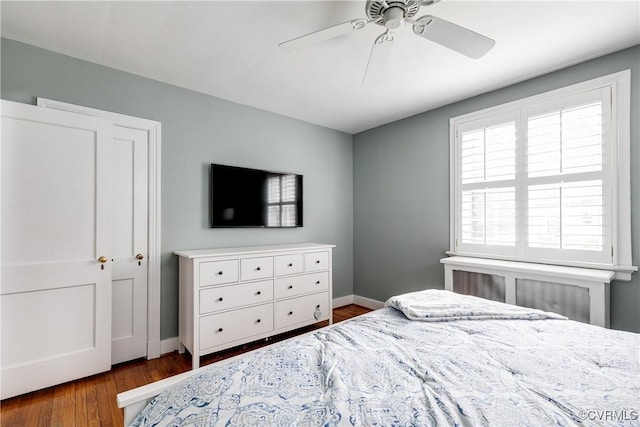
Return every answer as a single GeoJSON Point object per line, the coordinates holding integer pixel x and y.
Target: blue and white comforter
{"type": "Point", "coordinates": [382, 369]}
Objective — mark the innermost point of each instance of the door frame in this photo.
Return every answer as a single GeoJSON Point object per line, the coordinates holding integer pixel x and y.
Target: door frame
{"type": "Point", "coordinates": [154, 208]}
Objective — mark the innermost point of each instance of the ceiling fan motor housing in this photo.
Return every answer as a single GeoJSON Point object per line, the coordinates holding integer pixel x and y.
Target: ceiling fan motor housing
{"type": "Point", "coordinates": [393, 17]}
{"type": "Point", "coordinates": [391, 14]}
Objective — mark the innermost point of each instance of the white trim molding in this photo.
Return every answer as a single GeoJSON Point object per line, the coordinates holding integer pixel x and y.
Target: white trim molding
{"type": "Point", "coordinates": [358, 300]}
{"type": "Point", "coordinates": [154, 130]}
{"type": "Point", "coordinates": [342, 301]}
{"type": "Point", "coordinates": [368, 302]}
{"type": "Point", "coordinates": [169, 345]}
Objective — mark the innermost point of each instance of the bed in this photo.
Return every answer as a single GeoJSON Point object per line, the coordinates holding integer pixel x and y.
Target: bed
{"type": "Point", "coordinates": [427, 358]}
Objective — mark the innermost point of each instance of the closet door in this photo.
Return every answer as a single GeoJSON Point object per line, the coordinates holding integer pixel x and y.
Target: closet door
{"type": "Point", "coordinates": [135, 331]}
{"type": "Point", "coordinates": [129, 240]}
{"type": "Point", "coordinates": [56, 262]}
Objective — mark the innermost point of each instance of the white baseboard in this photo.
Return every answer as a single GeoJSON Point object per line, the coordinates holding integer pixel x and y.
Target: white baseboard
{"type": "Point", "coordinates": [342, 301]}
{"type": "Point", "coordinates": [355, 299]}
{"type": "Point", "coordinates": [171, 344]}
{"type": "Point", "coordinates": [154, 349]}
{"type": "Point", "coordinates": [367, 302]}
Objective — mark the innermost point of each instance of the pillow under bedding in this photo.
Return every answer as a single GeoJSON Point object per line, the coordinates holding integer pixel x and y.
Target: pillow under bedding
{"type": "Point", "coordinates": [434, 305]}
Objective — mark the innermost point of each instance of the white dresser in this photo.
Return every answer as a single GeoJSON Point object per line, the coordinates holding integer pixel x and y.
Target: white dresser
{"type": "Point", "coordinates": [231, 296]}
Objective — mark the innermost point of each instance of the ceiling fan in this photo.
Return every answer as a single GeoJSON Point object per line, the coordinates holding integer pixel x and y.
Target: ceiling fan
{"type": "Point", "coordinates": [392, 14]}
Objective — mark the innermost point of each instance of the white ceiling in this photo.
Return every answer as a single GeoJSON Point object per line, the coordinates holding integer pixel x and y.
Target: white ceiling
{"type": "Point", "coordinates": [229, 49]}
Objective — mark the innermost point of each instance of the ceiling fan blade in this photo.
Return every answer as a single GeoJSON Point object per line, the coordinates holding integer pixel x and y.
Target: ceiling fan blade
{"type": "Point", "coordinates": [324, 34]}
{"type": "Point", "coordinates": [378, 58]}
{"type": "Point", "coordinates": [453, 36]}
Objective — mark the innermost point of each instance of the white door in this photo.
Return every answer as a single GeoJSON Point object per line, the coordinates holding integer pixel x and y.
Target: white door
{"type": "Point", "coordinates": [129, 208]}
{"type": "Point", "coordinates": [56, 247]}
{"type": "Point", "coordinates": [136, 231]}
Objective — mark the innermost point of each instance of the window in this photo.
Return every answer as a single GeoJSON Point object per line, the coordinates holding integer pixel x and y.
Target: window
{"type": "Point", "coordinates": [546, 178]}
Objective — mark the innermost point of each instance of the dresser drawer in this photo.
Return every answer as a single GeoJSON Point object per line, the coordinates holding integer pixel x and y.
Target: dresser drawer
{"type": "Point", "coordinates": [228, 297]}
{"type": "Point", "coordinates": [256, 268]}
{"type": "Point", "coordinates": [288, 264]}
{"type": "Point", "coordinates": [302, 309]}
{"type": "Point", "coordinates": [316, 261]}
{"type": "Point", "coordinates": [298, 285]}
{"type": "Point", "coordinates": [218, 329]}
{"type": "Point", "coordinates": [218, 272]}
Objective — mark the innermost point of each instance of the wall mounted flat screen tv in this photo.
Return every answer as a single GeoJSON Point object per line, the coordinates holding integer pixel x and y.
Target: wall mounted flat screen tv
{"type": "Point", "coordinates": [242, 197]}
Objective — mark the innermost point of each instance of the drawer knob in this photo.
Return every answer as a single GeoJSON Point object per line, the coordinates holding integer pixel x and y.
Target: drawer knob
{"type": "Point", "coordinates": [317, 306]}
{"type": "Point", "coordinates": [290, 313]}
{"type": "Point", "coordinates": [290, 287]}
{"type": "Point", "coordinates": [317, 261]}
{"type": "Point", "coordinates": [219, 329]}
{"type": "Point", "coordinates": [258, 293]}
{"type": "Point", "coordinates": [317, 282]}
{"type": "Point", "coordinates": [258, 268]}
{"type": "Point", "coordinates": [220, 299]}
{"type": "Point", "coordinates": [290, 264]}
{"type": "Point", "coordinates": [220, 273]}
{"type": "Point", "coordinates": [258, 321]}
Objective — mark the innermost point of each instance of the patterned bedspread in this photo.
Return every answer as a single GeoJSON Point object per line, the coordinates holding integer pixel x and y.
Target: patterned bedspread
{"type": "Point", "coordinates": [382, 369]}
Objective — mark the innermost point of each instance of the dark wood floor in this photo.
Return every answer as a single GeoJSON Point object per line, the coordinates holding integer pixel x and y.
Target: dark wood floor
{"type": "Point", "coordinates": [91, 401]}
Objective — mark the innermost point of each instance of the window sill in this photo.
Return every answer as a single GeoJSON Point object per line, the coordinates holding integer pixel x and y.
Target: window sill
{"type": "Point", "coordinates": [572, 269]}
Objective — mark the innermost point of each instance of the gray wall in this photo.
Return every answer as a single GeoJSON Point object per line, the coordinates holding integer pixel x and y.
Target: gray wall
{"type": "Point", "coordinates": [401, 191]}
{"type": "Point", "coordinates": [381, 196]}
{"type": "Point", "coordinates": [198, 130]}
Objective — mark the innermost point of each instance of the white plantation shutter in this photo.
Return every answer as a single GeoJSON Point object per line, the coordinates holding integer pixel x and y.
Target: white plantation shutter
{"type": "Point", "coordinates": [567, 216]}
{"type": "Point", "coordinates": [566, 179]}
{"type": "Point", "coordinates": [488, 172]}
{"type": "Point", "coordinates": [488, 217]}
{"type": "Point", "coordinates": [533, 181]}
{"type": "Point", "coordinates": [488, 154]}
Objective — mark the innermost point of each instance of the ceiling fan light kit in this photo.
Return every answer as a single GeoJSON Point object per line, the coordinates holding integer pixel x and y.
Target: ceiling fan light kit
{"type": "Point", "coordinates": [392, 15]}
